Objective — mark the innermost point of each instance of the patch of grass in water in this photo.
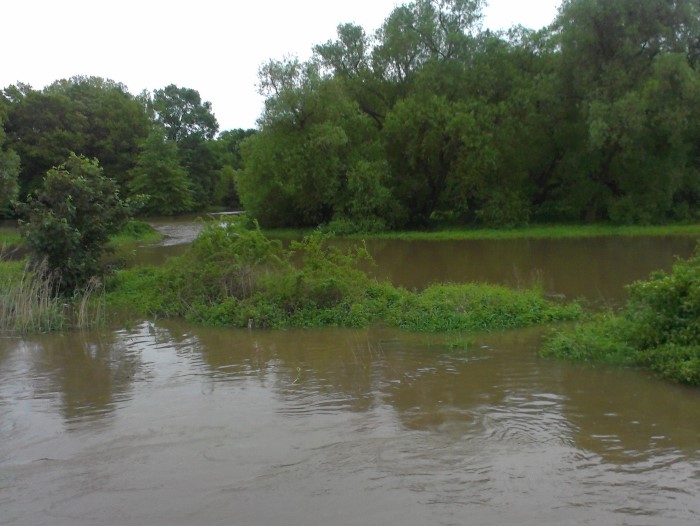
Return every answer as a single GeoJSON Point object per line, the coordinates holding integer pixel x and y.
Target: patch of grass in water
{"type": "Point", "coordinates": [234, 275]}
{"type": "Point", "coordinates": [658, 329]}
{"type": "Point", "coordinates": [29, 302]}
{"type": "Point", "coordinates": [526, 232]}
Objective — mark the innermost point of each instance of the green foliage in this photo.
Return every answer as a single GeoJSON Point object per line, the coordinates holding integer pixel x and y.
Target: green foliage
{"type": "Point", "coordinates": [227, 150]}
{"type": "Point", "coordinates": [159, 176]}
{"type": "Point", "coordinates": [593, 118]}
{"type": "Point", "coordinates": [68, 222]}
{"type": "Point", "coordinates": [9, 169]}
{"type": "Point", "coordinates": [234, 275]}
{"type": "Point", "coordinates": [135, 230]}
{"type": "Point", "coordinates": [182, 113]}
{"type": "Point", "coordinates": [317, 158]}
{"type": "Point", "coordinates": [659, 327]}
{"type": "Point", "coordinates": [91, 116]}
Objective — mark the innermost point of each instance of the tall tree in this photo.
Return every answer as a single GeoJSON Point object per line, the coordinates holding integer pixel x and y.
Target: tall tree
{"type": "Point", "coordinates": [182, 113]}
{"type": "Point", "coordinates": [159, 176]}
{"type": "Point", "coordinates": [86, 115]}
{"type": "Point", "coordinates": [9, 168]}
{"type": "Point", "coordinates": [628, 162]}
{"type": "Point", "coordinates": [190, 124]}
{"type": "Point", "coordinates": [315, 153]}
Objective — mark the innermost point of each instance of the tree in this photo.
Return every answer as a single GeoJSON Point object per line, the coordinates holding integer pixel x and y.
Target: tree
{"type": "Point", "coordinates": [182, 113]}
{"type": "Point", "coordinates": [227, 149]}
{"type": "Point", "coordinates": [91, 116]}
{"type": "Point", "coordinates": [314, 153]}
{"type": "Point", "coordinates": [68, 222]}
{"type": "Point", "coordinates": [159, 176]}
{"type": "Point", "coordinates": [191, 125]}
{"type": "Point", "coordinates": [43, 128]}
{"type": "Point", "coordinates": [9, 170]}
{"type": "Point", "coordinates": [629, 83]}
{"type": "Point", "coordinates": [9, 188]}
{"type": "Point", "coordinates": [115, 122]}
{"type": "Point", "coordinates": [425, 30]}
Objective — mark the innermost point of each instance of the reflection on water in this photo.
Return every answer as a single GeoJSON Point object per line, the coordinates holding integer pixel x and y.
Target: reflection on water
{"type": "Point", "coordinates": [170, 424]}
{"type": "Point", "coordinates": [596, 269]}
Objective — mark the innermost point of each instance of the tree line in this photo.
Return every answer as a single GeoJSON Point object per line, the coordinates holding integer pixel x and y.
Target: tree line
{"type": "Point", "coordinates": [160, 148]}
{"type": "Point", "coordinates": [595, 117]}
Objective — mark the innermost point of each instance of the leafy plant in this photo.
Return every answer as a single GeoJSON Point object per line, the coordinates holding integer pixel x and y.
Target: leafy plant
{"type": "Point", "coordinates": [659, 327]}
{"type": "Point", "coordinates": [68, 222]}
{"type": "Point", "coordinates": [234, 275]}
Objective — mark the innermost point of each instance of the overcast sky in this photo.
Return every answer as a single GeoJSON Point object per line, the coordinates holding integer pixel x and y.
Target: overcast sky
{"type": "Point", "coordinates": [213, 46]}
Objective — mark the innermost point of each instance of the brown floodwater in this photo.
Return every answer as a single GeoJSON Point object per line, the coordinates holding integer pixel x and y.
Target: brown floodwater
{"type": "Point", "coordinates": [164, 423]}
{"type": "Point", "coordinates": [595, 269]}
{"type": "Point", "coordinates": [168, 424]}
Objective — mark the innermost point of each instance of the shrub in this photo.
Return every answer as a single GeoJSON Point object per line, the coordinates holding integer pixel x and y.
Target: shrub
{"type": "Point", "coordinates": [68, 222]}
{"type": "Point", "coordinates": [659, 327]}
{"type": "Point", "coordinates": [234, 275]}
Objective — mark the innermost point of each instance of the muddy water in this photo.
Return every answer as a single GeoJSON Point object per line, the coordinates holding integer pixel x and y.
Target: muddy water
{"type": "Point", "coordinates": [168, 424]}
{"type": "Point", "coordinates": [595, 269]}
{"type": "Point", "coordinates": [174, 425]}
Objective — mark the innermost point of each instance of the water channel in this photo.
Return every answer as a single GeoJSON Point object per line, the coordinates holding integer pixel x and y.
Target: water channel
{"type": "Point", "coordinates": [164, 423]}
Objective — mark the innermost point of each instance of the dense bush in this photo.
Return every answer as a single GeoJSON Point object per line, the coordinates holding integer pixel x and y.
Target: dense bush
{"type": "Point", "coordinates": [67, 224]}
{"type": "Point", "coordinates": [234, 275]}
{"type": "Point", "coordinates": [659, 327]}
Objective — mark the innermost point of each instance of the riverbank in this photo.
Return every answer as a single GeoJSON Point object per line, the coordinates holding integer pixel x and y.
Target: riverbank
{"type": "Point", "coordinates": [29, 302]}
{"type": "Point", "coordinates": [527, 232]}
{"type": "Point", "coordinates": [134, 231]}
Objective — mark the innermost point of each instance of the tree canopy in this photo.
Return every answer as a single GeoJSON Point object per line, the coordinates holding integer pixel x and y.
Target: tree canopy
{"type": "Point", "coordinates": [427, 118]}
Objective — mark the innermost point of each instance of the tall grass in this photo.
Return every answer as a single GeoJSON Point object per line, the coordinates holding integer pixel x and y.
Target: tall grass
{"type": "Point", "coordinates": [29, 302]}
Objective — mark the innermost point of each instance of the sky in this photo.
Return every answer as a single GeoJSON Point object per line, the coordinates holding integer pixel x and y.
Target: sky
{"type": "Point", "coordinates": [213, 46]}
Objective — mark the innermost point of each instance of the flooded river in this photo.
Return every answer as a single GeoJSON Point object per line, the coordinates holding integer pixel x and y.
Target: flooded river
{"type": "Point", "coordinates": [169, 424]}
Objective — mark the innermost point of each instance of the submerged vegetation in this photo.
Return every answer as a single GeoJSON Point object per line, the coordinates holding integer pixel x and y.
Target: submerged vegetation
{"type": "Point", "coordinates": [426, 121]}
{"type": "Point", "coordinates": [31, 299]}
{"type": "Point", "coordinates": [234, 275]}
{"type": "Point", "coordinates": [659, 328]}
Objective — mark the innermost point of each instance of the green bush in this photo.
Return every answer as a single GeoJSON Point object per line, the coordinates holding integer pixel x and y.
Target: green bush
{"type": "Point", "coordinates": [659, 328]}
{"type": "Point", "coordinates": [233, 275]}
{"type": "Point", "coordinates": [67, 224]}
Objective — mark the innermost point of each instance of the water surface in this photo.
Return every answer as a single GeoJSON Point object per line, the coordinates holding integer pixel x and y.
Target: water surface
{"type": "Point", "coordinates": [169, 424]}
{"type": "Point", "coordinates": [173, 425]}
{"type": "Point", "coordinates": [596, 269]}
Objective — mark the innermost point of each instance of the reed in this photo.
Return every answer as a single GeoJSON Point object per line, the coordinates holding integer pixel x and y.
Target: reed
{"type": "Point", "coordinates": [29, 302]}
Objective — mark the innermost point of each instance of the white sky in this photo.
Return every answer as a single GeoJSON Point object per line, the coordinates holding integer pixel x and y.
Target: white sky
{"type": "Point", "coordinates": [213, 46]}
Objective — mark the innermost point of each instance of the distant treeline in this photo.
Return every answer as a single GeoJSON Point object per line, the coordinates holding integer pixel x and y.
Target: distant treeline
{"type": "Point", "coordinates": [160, 147]}
{"type": "Point", "coordinates": [593, 118]}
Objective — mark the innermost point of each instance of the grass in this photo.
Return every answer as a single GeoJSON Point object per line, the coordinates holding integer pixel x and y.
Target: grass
{"type": "Point", "coordinates": [135, 231]}
{"type": "Point", "coordinates": [29, 302]}
{"type": "Point", "coordinates": [9, 238]}
{"type": "Point", "coordinates": [541, 232]}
